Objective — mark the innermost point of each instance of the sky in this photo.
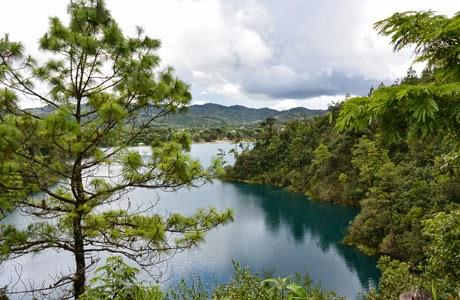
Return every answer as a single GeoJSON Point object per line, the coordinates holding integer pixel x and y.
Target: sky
{"type": "Point", "coordinates": [258, 53]}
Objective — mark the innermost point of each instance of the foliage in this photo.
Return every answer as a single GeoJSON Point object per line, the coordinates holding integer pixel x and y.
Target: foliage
{"type": "Point", "coordinates": [415, 108]}
{"type": "Point", "coordinates": [308, 156]}
{"type": "Point", "coordinates": [443, 250]}
{"type": "Point", "coordinates": [198, 134]}
{"type": "Point", "coordinates": [193, 290]}
{"type": "Point", "coordinates": [54, 165]}
{"type": "Point", "coordinates": [396, 186]}
{"type": "Point", "coordinates": [397, 278]}
{"type": "Point", "coordinates": [395, 155]}
{"type": "Point", "coordinates": [245, 285]}
{"type": "Point", "coordinates": [117, 281]}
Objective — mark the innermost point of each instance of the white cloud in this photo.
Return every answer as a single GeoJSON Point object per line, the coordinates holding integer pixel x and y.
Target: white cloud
{"type": "Point", "coordinates": [254, 52]}
{"type": "Point", "coordinates": [226, 89]}
{"type": "Point", "coordinates": [198, 102]}
{"type": "Point", "coordinates": [320, 102]}
{"type": "Point", "coordinates": [249, 46]}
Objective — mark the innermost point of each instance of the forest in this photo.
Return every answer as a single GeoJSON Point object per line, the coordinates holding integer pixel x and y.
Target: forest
{"type": "Point", "coordinates": [198, 134]}
{"type": "Point", "coordinates": [393, 153]}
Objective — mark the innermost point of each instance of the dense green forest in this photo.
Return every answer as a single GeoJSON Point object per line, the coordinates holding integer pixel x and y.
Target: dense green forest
{"type": "Point", "coordinates": [197, 134]}
{"type": "Point", "coordinates": [394, 153]}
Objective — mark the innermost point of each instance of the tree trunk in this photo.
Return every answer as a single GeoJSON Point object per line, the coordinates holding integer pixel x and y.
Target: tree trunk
{"type": "Point", "coordinates": [80, 264]}
{"type": "Point", "coordinates": [79, 251]}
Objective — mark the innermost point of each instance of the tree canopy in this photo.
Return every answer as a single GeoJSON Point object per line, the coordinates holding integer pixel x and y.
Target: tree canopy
{"type": "Point", "coordinates": [426, 106]}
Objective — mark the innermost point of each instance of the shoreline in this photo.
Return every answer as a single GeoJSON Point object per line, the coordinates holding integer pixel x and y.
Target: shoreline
{"type": "Point", "coordinates": [223, 142]}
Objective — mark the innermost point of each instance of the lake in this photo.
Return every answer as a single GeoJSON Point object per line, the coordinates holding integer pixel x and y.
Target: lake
{"type": "Point", "coordinates": [274, 231]}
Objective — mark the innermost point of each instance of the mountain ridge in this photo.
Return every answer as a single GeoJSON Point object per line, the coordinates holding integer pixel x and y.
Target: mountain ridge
{"type": "Point", "coordinates": [214, 115]}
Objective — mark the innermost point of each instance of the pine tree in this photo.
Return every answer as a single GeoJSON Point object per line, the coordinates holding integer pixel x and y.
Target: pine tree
{"type": "Point", "coordinates": [99, 87]}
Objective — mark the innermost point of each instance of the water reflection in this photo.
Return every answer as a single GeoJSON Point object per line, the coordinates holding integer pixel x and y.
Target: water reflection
{"type": "Point", "coordinates": [323, 224]}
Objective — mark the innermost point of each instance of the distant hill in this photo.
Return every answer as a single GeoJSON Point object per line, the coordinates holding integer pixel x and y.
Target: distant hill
{"type": "Point", "coordinates": [210, 114]}
{"type": "Point", "coordinates": [214, 115]}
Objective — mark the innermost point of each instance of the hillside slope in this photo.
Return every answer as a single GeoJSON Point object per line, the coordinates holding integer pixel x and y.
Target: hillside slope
{"type": "Point", "coordinates": [216, 115]}
{"type": "Point", "coordinates": [210, 114]}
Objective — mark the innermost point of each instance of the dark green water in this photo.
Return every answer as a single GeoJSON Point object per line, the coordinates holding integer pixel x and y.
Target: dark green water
{"type": "Point", "coordinates": [274, 230]}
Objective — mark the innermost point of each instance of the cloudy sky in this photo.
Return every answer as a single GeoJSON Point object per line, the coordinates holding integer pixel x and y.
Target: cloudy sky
{"type": "Point", "coordinates": [258, 53]}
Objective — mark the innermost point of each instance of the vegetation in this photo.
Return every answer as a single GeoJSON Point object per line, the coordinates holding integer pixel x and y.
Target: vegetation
{"type": "Point", "coordinates": [212, 115]}
{"type": "Point", "coordinates": [304, 156]}
{"type": "Point", "coordinates": [99, 83]}
{"type": "Point", "coordinates": [198, 134]}
{"type": "Point", "coordinates": [394, 153]}
{"type": "Point", "coordinates": [116, 280]}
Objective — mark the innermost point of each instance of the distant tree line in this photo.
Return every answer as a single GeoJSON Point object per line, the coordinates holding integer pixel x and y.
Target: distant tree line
{"type": "Point", "coordinates": [199, 134]}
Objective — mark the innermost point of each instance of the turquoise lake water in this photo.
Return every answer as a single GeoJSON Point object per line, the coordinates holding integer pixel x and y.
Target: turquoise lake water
{"type": "Point", "coordinates": [274, 230]}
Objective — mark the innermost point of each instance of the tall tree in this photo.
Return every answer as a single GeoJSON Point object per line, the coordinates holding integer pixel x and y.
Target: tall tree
{"type": "Point", "coordinates": [97, 87]}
